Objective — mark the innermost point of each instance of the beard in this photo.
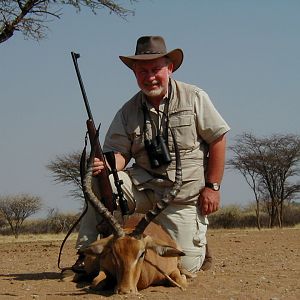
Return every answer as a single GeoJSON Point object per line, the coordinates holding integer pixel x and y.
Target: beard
{"type": "Point", "coordinates": [155, 92]}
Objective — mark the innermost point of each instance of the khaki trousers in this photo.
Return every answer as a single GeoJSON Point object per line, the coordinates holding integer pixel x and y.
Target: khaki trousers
{"type": "Point", "coordinates": [182, 221]}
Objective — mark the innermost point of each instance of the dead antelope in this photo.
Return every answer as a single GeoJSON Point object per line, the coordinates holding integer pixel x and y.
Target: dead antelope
{"type": "Point", "coordinates": [133, 256]}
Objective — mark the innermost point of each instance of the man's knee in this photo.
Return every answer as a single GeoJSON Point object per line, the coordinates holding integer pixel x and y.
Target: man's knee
{"type": "Point", "coordinates": [193, 260]}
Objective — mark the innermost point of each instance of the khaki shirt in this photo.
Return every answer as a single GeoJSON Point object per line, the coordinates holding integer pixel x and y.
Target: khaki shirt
{"type": "Point", "coordinates": [194, 120]}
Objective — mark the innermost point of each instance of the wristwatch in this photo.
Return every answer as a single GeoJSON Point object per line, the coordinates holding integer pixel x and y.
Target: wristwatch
{"type": "Point", "coordinates": [213, 185]}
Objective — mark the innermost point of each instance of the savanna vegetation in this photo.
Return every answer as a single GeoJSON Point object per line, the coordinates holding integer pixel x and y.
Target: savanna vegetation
{"type": "Point", "coordinates": [228, 217]}
{"type": "Point", "coordinates": [270, 166]}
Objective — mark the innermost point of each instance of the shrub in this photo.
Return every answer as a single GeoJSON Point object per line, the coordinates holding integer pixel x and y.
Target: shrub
{"type": "Point", "coordinates": [60, 222]}
{"type": "Point", "coordinates": [235, 216]}
{"type": "Point", "coordinates": [227, 217]}
{"type": "Point", "coordinates": [291, 214]}
{"type": "Point", "coordinates": [57, 223]}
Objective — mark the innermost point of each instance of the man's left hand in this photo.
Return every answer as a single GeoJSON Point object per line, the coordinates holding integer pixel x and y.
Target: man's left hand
{"type": "Point", "coordinates": [209, 201]}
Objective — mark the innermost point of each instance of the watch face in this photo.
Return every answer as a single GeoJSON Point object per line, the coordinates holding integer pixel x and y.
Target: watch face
{"type": "Point", "coordinates": [214, 186]}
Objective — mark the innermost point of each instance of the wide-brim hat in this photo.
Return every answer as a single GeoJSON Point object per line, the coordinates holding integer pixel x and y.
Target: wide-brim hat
{"type": "Point", "coordinates": [152, 47]}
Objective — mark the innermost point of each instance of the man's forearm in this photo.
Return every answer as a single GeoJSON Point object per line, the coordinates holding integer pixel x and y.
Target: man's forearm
{"type": "Point", "coordinates": [120, 161]}
{"type": "Point", "coordinates": [209, 199]}
{"type": "Point", "coordinates": [216, 160]}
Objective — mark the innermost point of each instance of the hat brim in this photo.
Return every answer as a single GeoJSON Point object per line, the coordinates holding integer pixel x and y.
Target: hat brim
{"type": "Point", "coordinates": [176, 56]}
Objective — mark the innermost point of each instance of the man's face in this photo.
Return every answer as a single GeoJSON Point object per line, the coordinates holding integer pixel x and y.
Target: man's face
{"type": "Point", "coordinates": [153, 76]}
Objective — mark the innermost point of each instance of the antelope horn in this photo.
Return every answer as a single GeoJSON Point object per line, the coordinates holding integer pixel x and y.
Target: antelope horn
{"type": "Point", "coordinates": [94, 201]}
{"type": "Point", "coordinates": [165, 201]}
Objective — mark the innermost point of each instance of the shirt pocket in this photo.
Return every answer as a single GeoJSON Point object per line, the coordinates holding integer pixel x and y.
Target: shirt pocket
{"type": "Point", "coordinates": [183, 125]}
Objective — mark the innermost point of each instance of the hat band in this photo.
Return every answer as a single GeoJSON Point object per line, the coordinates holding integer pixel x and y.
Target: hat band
{"type": "Point", "coordinates": [149, 52]}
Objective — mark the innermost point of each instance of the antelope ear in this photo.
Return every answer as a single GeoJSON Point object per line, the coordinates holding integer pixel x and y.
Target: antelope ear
{"type": "Point", "coordinates": [162, 249]}
{"type": "Point", "coordinates": [97, 247]}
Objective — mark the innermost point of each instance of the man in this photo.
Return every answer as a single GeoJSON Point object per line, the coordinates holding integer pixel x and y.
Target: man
{"type": "Point", "coordinates": [163, 103]}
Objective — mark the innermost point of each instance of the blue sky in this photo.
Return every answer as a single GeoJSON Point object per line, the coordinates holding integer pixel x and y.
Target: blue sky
{"type": "Point", "coordinates": [244, 54]}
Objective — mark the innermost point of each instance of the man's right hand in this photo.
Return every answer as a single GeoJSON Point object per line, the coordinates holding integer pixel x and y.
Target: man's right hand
{"type": "Point", "coordinates": [98, 166]}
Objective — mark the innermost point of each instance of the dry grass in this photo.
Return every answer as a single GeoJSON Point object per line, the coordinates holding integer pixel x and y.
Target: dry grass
{"type": "Point", "coordinates": [60, 236]}
{"type": "Point", "coordinates": [36, 237]}
{"type": "Point", "coordinates": [248, 264]}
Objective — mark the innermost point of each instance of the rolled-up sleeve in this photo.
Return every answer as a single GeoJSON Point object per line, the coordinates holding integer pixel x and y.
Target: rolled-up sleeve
{"type": "Point", "coordinates": [117, 139]}
{"type": "Point", "coordinates": [210, 124]}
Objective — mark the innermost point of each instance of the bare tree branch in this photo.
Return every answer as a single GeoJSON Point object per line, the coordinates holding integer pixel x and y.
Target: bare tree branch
{"type": "Point", "coordinates": [268, 164]}
{"type": "Point", "coordinates": [65, 169]}
{"type": "Point", "coordinates": [29, 16]}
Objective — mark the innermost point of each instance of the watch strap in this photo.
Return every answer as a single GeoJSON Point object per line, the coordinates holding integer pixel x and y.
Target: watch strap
{"type": "Point", "coordinates": [213, 185]}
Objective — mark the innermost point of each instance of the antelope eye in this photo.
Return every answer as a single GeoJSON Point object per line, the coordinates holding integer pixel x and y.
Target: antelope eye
{"type": "Point", "coordinates": [142, 254]}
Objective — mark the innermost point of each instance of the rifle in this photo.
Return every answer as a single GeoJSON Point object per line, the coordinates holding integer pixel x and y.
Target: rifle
{"type": "Point", "coordinates": [107, 197]}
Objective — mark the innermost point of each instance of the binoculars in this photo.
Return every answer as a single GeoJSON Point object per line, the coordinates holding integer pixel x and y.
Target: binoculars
{"type": "Point", "coordinates": [157, 151]}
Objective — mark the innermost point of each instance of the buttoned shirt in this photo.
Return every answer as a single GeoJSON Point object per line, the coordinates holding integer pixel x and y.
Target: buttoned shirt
{"type": "Point", "coordinates": [188, 111]}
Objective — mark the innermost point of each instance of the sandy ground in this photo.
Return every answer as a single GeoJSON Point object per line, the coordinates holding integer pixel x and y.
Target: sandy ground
{"type": "Point", "coordinates": [247, 265]}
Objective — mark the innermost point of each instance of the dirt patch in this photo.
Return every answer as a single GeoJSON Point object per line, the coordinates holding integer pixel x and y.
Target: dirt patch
{"type": "Point", "coordinates": [247, 265]}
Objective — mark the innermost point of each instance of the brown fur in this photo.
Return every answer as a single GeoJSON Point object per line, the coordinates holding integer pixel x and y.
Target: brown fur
{"type": "Point", "coordinates": [117, 258]}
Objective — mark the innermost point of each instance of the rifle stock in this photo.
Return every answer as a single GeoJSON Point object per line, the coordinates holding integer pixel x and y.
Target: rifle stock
{"type": "Point", "coordinates": [106, 192]}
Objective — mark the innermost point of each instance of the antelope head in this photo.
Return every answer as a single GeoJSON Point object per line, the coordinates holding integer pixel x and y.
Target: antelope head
{"type": "Point", "coordinates": [121, 255]}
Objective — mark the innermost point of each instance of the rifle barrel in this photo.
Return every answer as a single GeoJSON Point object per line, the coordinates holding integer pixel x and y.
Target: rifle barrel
{"type": "Point", "coordinates": [103, 180]}
{"type": "Point", "coordinates": [75, 56]}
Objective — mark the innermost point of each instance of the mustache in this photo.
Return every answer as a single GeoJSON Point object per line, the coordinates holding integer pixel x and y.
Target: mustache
{"type": "Point", "coordinates": [150, 83]}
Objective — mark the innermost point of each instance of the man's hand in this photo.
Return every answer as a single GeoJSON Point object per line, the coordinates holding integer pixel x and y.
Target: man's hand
{"type": "Point", "coordinates": [98, 166]}
{"type": "Point", "coordinates": [208, 201]}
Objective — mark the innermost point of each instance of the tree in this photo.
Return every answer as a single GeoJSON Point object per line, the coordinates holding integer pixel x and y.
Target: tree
{"type": "Point", "coordinates": [15, 209]}
{"type": "Point", "coordinates": [65, 169]}
{"type": "Point", "coordinates": [60, 222]}
{"type": "Point", "coordinates": [2, 220]}
{"type": "Point", "coordinates": [31, 17]}
{"type": "Point", "coordinates": [269, 165]}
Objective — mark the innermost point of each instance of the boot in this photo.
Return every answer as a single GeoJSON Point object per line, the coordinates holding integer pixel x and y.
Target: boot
{"type": "Point", "coordinates": [207, 263]}
{"type": "Point", "coordinates": [78, 267]}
